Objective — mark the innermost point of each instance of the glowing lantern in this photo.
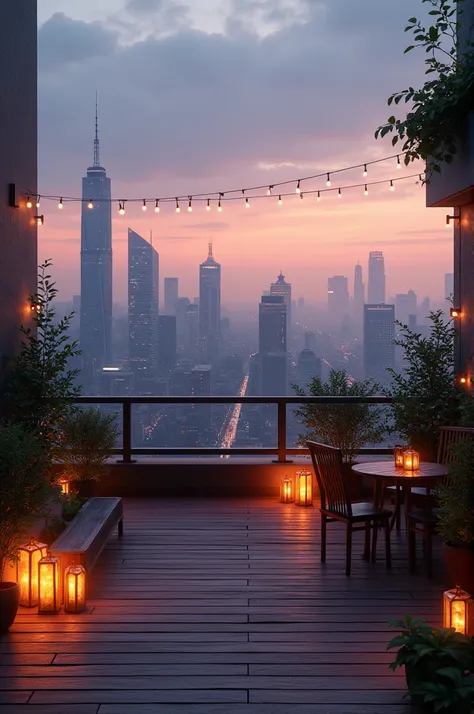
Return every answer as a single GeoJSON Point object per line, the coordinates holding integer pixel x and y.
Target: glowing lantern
{"type": "Point", "coordinates": [286, 490]}
{"type": "Point", "coordinates": [48, 579]}
{"type": "Point", "coordinates": [74, 589]}
{"type": "Point", "coordinates": [398, 455]}
{"type": "Point", "coordinates": [304, 488]}
{"type": "Point", "coordinates": [29, 556]}
{"type": "Point", "coordinates": [411, 460]}
{"type": "Point", "coordinates": [65, 486]}
{"type": "Point", "coordinates": [457, 610]}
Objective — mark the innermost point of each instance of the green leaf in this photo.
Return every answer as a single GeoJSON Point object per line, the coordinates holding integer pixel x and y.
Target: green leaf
{"type": "Point", "coordinates": [409, 49]}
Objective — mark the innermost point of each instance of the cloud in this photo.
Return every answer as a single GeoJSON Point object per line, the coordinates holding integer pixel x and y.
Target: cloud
{"type": "Point", "coordinates": [65, 41]}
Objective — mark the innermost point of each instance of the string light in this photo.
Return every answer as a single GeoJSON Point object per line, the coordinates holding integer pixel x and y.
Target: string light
{"type": "Point", "coordinates": [319, 196]}
{"type": "Point", "coordinates": [366, 190]}
{"type": "Point", "coordinates": [157, 206]}
{"type": "Point", "coordinates": [208, 207]}
{"type": "Point", "coordinates": [122, 208]}
{"type": "Point", "coordinates": [219, 205]}
{"type": "Point", "coordinates": [90, 205]}
{"type": "Point", "coordinates": [144, 207]}
{"type": "Point", "coordinates": [339, 194]}
{"type": "Point", "coordinates": [178, 209]}
{"type": "Point", "coordinates": [28, 203]}
{"type": "Point", "coordinates": [365, 171]}
{"type": "Point", "coordinates": [392, 186]}
{"type": "Point", "coordinates": [38, 203]}
{"type": "Point", "coordinates": [39, 220]}
{"type": "Point", "coordinates": [328, 182]}
{"type": "Point", "coordinates": [298, 186]}
{"type": "Point", "coordinates": [280, 201]}
{"type": "Point", "coordinates": [269, 192]}
{"type": "Point", "coordinates": [399, 166]}
{"type": "Point", "coordinates": [190, 204]}
{"type": "Point", "coordinates": [60, 204]}
{"type": "Point", "coordinates": [301, 196]}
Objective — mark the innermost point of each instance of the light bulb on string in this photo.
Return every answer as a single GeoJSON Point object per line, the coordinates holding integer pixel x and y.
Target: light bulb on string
{"type": "Point", "coordinates": [392, 186]}
{"type": "Point", "coordinates": [365, 171]}
{"type": "Point", "coordinates": [60, 204]}
{"type": "Point", "coordinates": [208, 207]}
{"type": "Point", "coordinates": [399, 166]}
{"type": "Point", "coordinates": [157, 206]}
{"type": "Point", "coordinates": [280, 201]}
{"type": "Point", "coordinates": [339, 194]}
{"type": "Point", "coordinates": [269, 192]}
{"type": "Point", "coordinates": [318, 198]}
{"type": "Point", "coordinates": [366, 190]}
{"type": "Point", "coordinates": [328, 182]}
{"type": "Point", "coordinates": [247, 203]}
{"type": "Point", "coordinates": [177, 209]}
{"type": "Point", "coordinates": [298, 186]}
{"type": "Point", "coordinates": [90, 205]}
{"type": "Point", "coordinates": [40, 220]}
{"type": "Point", "coordinates": [38, 202]}
{"type": "Point", "coordinates": [121, 209]}
{"type": "Point", "coordinates": [190, 204]}
{"type": "Point", "coordinates": [28, 203]}
{"type": "Point", "coordinates": [301, 196]}
{"type": "Point", "coordinates": [219, 205]}
{"type": "Point", "coordinates": [144, 207]}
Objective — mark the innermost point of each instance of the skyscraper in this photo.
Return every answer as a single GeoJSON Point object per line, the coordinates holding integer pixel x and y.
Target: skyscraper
{"type": "Point", "coordinates": [379, 334]}
{"type": "Point", "coordinates": [171, 295]}
{"type": "Point", "coordinates": [96, 267]}
{"type": "Point", "coordinates": [167, 342]}
{"type": "Point", "coordinates": [142, 310]}
{"type": "Point", "coordinates": [272, 344]}
{"type": "Point", "coordinates": [338, 298]}
{"type": "Point", "coordinates": [406, 304]}
{"type": "Point", "coordinates": [281, 287]}
{"type": "Point", "coordinates": [376, 289]}
{"type": "Point", "coordinates": [308, 367]}
{"type": "Point", "coordinates": [359, 294]}
{"type": "Point", "coordinates": [210, 306]}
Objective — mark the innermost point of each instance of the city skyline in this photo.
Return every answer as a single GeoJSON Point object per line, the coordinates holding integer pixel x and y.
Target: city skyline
{"type": "Point", "coordinates": [211, 144]}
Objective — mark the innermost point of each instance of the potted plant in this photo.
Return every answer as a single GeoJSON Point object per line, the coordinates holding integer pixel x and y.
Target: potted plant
{"type": "Point", "coordinates": [346, 426]}
{"type": "Point", "coordinates": [25, 493]}
{"type": "Point", "coordinates": [438, 666]}
{"type": "Point", "coordinates": [439, 109]}
{"type": "Point", "coordinates": [88, 439]}
{"type": "Point", "coordinates": [425, 395]}
{"type": "Point", "coordinates": [456, 516]}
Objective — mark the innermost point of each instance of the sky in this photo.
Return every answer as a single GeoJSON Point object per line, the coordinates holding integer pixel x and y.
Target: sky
{"type": "Point", "coordinates": [212, 95]}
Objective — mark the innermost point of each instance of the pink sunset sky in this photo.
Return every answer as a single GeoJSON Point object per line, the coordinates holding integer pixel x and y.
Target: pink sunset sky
{"type": "Point", "coordinates": [218, 95]}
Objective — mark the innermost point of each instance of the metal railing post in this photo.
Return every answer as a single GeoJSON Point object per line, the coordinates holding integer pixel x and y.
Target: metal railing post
{"type": "Point", "coordinates": [126, 432]}
{"type": "Point", "coordinates": [281, 421]}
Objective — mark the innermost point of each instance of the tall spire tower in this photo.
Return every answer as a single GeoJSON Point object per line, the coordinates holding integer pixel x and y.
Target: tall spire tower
{"type": "Point", "coordinates": [96, 269]}
{"type": "Point", "coordinates": [210, 306]}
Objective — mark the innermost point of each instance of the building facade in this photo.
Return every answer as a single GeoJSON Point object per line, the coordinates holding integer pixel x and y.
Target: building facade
{"type": "Point", "coordinates": [171, 295]}
{"type": "Point", "coordinates": [359, 295]}
{"type": "Point", "coordinates": [167, 343]}
{"type": "Point", "coordinates": [96, 268]}
{"type": "Point", "coordinates": [281, 287]}
{"type": "Point", "coordinates": [379, 335]}
{"type": "Point", "coordinates": [338, 298]}
{"type": "Point", "coordinates": [210, 306]}
{"type": "Point", "coordinates": [376, 287]}
{"type": "Point", "coordinates": [272, 345]}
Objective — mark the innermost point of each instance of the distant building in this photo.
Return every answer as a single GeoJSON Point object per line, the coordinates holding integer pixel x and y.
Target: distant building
{"type": "Point", "coordinates": [171, 295]}
{"type": "Point", "coordinates": [200, 386]}
{"type": "Point", "coordinates": [359, 295]}
{"type": "Point", "coordinates": [424, 311]}
{"type": "Point", "coordinates": [191, 338]}
{"type": "Point", "coordinates": [376, 287]}
{"type": "Point", "coordinates": [449, 286]}
{"type": "Point", "coordinates": [116, 381]}
{"type": "Point", "coordinates": [181, 307]}
{"type": "Point", "coordinates": [308, 367]}
{"type": "Point", "coordinates": [379, 334]}
{"type": "Point", "coordinates": [406, 304]}
{"type": "Point", "coordinates": [338, 298]}
{"type": "Point", "coordinates": [96, 268]}
{"type": "Point", "coordinates": [210, 305]}
{"type": "Point", "coordinates": [167, 342]}
{"type": "Point", "coordinates": [143, 275]}
{"type": "Point", "coordinates": [281, 287]}
{"type": "Point", "coordinates": [310, 341]}
{"type": "Point", "coordinates": [273, 345]}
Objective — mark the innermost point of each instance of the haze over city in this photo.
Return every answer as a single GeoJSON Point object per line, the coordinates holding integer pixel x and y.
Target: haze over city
{"type": "Point", "coordinates": [268, 96]}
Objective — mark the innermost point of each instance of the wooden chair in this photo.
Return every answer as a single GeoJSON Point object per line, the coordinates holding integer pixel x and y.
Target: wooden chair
{"type": "Point", "coordinates": [422, 513]}
{"type": "Point", "coordinates": [336, 505]}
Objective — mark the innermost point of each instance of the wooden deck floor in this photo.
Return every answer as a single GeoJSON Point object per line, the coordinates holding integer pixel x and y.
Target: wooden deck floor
{"type": "Point", "coordinates": [216, 607]}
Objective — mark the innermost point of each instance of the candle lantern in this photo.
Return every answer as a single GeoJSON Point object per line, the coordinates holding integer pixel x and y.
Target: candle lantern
{"type": "Point", "coordinates": [74, 589]}
{"type": "Point", "coordinates": [65, 486]}
{"type": "Point", "coordinates": [48, 582]}
{"type": "Point", "coordinates": [398, 455]}
{"type": "Point", "coordinates": [457, 607]}
{"type": "Point", "coordinates": [304, 488]}
{"type": "Point", "coordinates": [411, 460]}
{"type": "Point", "coordinates": [286, 490]}
{"type": "Point", "coordinates": [29, 556]}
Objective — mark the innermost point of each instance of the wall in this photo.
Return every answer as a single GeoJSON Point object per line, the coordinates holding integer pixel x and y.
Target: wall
{"type": "Point", "coordinates": [18, 164]}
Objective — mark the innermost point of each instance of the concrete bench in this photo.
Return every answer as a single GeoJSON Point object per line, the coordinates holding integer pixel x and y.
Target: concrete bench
{"type": "Point", "coordinates": [86, 536]}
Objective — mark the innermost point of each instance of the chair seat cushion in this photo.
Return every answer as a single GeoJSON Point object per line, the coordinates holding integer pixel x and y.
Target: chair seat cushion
{"type": "Point", "coordinates": [364, 511]}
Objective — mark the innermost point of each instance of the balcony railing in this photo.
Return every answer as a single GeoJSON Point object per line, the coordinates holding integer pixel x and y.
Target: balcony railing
{"type": "Point", "coordinates": [281, 451]}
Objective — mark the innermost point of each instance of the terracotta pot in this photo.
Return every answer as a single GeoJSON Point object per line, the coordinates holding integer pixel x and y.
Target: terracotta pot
{"type": "Point", "coordinates": [9, 600]}
{"type": "Point", "coordinates": [459, 564]}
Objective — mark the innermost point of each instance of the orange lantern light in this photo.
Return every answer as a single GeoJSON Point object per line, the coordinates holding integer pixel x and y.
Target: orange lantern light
{"type": "Point", "coordinates": [29, 556]}
{"type": "Point", "coordinates": [48, 582]}
{"type": "Point", "coordinates": [286, 490]}
{"type": "Point", "coordinates": [398, 455]}
{"type": "Point", "coordinates": [457, 606]}
{"type": "Point", "coordinates": [65, 485]}
{"type": "Point", "coordinates": [304, 488]}
{"type": "Point", "coordinates": [411, 460]}
{"type": "Point", "coordinates": [74, 588]}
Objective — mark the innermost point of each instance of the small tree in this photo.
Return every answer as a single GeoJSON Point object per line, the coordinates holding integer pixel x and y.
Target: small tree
{"type": "Point", "coordinates": [40, 386]}
{"type": "Point", "coordinates": [347, 426]}
{"type": "Point", "coordinates": [24, 487]}
{"type": "Point", "coordinates": [425, 395]}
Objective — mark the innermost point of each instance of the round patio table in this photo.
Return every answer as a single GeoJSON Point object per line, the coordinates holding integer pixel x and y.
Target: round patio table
{"type": "Point", "coordinates": [386, 473]}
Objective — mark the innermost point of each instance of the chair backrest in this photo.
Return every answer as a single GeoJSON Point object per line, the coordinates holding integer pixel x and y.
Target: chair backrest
{"type": "Point", "coordinates": [450, 436]}
{"type": "Point", "coordinates": [327, 462]}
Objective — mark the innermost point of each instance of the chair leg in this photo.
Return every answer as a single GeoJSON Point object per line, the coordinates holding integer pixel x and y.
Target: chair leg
{"type": "Point", "coordinates": [375, 528]}
{"type": "Point", "coordinates": [323, 537]}
{"type": "Point", "coordinates": [388, 551]}
{"type": "Point", "coordinates": [348, 548]}
{"type": "Point", "coordinates": [411, 548]}
{"type": "Point", "coordinates": [398, 508]}
{"type": "Point", "coordinates": [367, 542]}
